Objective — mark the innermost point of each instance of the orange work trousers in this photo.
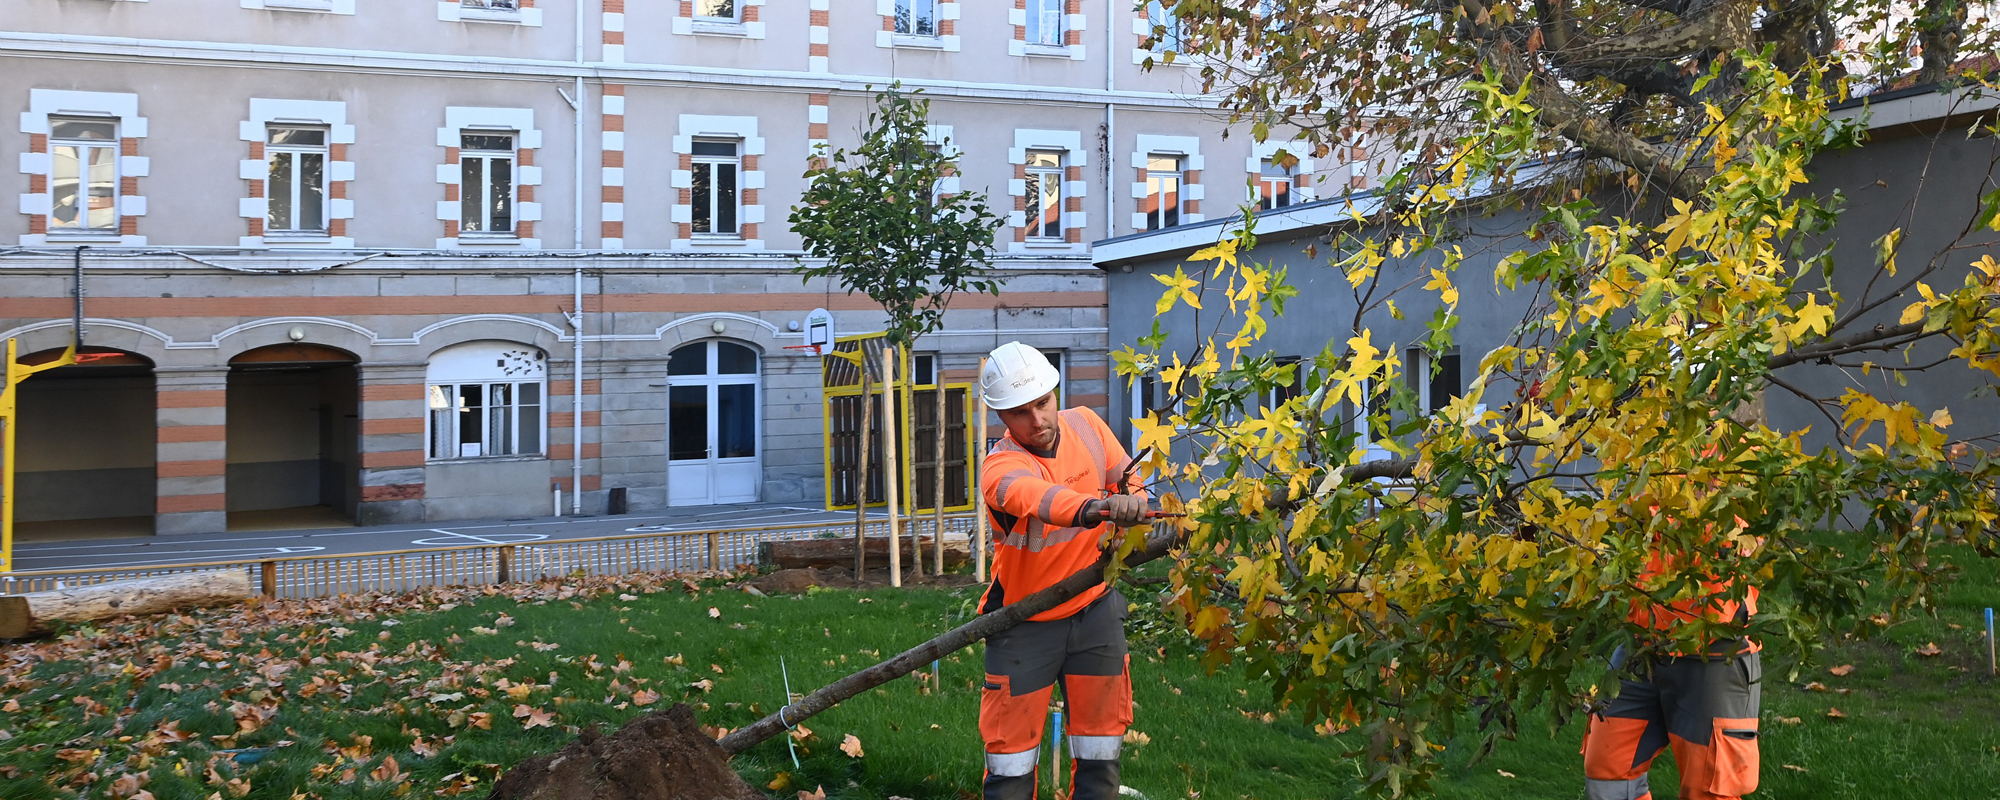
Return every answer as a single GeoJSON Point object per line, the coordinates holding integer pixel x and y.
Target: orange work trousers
{"type": "Point", "coordinates": [1085, 654]}
{"type": "Point", "coordinates": [1705, 709]}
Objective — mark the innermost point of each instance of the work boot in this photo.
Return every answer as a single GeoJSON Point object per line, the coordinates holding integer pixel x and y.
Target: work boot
{"type": "Point", "coordinates": [1014, 787]}
{"type": "Point", "coordinates": [1095, 780]}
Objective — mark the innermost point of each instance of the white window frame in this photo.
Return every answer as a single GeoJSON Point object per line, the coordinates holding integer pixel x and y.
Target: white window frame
{"type": "Point", "coordinates": [1267, 185]}
{"type": "Point", "coordinates": [1156, 189]}
{"type": "Point", "coordinates": [123, 107]}
{"type": "Point", "coordinates": [912, 18]}
{"type": "Point", "coordinates": [517, 414]}
{"type": "Point", "coordinates": [1159, 16]}
{"type": "Point", "coordinates": [115, 146]}
{"type": "Point", "coordinates": [512, 13]}
{"type": "Point", "coordinates": [1073, 155]}
{"type": "Point", "coordinates": [298, 153]}
{"type": "Point", "coordinates": [475, 364]}
{"type": "Point", "coordinates": [714, 202]}
{"type": "Point", "coordinates": [1041, 11]}
{"type": "Point", "coordinates": [735, 12]}
{"type": "Point", "coordinates": [1040, 180]}
{"type": "Point", "coordinates": [467, 193]}
{"type": "Point", "coordinates": [743, 129]}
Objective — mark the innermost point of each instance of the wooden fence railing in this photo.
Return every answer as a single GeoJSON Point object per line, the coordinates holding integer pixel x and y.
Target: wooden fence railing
{"type": "Point", "coordinates": [393, 571]}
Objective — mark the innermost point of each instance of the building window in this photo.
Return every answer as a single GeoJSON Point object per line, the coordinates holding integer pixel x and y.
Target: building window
{"type": "Point", "coordinates": [923, 369]}
{"type": "Point", "coordinates": [83, 179]}
{"type": "Point", "coordinates": [1281, 395]}
{"type": "Point", "coordinates": [1436, 389]}
{"type": "Point", "coordinates": [1274, 186]}
{"type": "Point", "coordinates": [715, 10]}
{"type": "Point", "coordinates": [1046, 22]}
{"type": "Point", "coordinates": [1163, 192]}
{"type": "Point", "coordinates": [486, 183]}
{"type": "Point", "coordinates": [1168, 35]}
{"type": "Point", "coordinates": [1045, 194]}
{"type": "Point", "coordinates": [491, 5]}
{"type": "Point", "coordinates": [486, 400]}
{"type": "Point", "coordinates": [1062, 378]}
{"type": "Point", "coordinates": [716, 166]}
{"type": "Point", "coordinates": [296, 191]}
{"type": "Point", "coordinates": [917, 17]}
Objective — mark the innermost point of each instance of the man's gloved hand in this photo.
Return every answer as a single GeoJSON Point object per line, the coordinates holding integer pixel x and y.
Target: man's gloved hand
{"type": "Point", "coordinates": [1123, 510]}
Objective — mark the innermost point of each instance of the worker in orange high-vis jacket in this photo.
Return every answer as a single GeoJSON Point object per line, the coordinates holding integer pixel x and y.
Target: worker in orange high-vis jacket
{"type": "Point", "coordinates": [1052, 487]}
{"type": "Point", "coordinates": [1704, 706]}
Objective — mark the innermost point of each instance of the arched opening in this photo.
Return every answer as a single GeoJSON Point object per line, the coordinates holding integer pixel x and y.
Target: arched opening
{"type": "Point", "coordinates": [293, 438]}
{"type": "Point", "coordinates": [715, 424]}
{"type": "Point", "coordinates": [86, 447]}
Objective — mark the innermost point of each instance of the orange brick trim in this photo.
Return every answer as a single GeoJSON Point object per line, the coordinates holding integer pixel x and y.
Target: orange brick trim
{"type": "Point", "coordinates": [563, 419]}
{"type": "Point", "coordinates": [392, 458]}
{"type": "Point", "coordinates": [591, 483]}
{"type": "Point", "coordinates": [395, 491]}
{"type": "Point", "coordinates": [381, 427]}
{"type": "Point", "coordinates": [611, 216]}
{"type": "Point", "coordinates": [173, 434]}
{"type": "Point", "coordinates": [560, 452]}
{"type": "Point", "coordinates": [392, 391]}
{"type": "Point", "coordinates": [1094, 372]}
{"type": "Point", "coordinates": [183, 503]}
{"type": "Point", "coordinates": [1088, 400]}
{"type": "Point", "coordinates": [200, 398]}
{"type": "Point", "coordinates": [191, 469]}
{"type": "Point", "coordinates": [562, 388]}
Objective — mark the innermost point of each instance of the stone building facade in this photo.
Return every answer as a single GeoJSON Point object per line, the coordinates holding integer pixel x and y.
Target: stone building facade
{"type": "Point", "coordinates": [407, 261]}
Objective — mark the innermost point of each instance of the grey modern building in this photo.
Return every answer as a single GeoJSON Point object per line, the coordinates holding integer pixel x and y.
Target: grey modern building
{"type": "Point", "coordinates": [1924, 169]}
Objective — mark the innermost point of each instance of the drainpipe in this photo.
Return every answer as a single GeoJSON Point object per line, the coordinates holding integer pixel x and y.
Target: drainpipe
{"type": "Point", "coordinates": [576, 327]}
{"type": "Point", "coordinates": [1110, 121]}
{"type": "Point", "coordinates": [576, 404]}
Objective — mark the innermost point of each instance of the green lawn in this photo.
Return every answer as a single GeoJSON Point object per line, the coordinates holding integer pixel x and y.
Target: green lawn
{"type": "Point", "coordinates": [445, 685]}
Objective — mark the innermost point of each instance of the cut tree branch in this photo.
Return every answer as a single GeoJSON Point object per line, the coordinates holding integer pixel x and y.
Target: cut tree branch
{"type": "Point", "coordinates": [951, 641]}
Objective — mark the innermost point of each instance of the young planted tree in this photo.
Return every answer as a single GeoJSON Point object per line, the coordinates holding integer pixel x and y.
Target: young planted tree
{"type": "Point", "coordinates": [873, 219]}
{"type": "Point", "coordinates": [1409, 573]}
{"type": "Point", "coordinates": [876, 221]}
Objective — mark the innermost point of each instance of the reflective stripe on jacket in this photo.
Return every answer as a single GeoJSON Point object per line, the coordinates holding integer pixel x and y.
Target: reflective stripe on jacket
{"type": "Point", "coordinates": [1037, 506]}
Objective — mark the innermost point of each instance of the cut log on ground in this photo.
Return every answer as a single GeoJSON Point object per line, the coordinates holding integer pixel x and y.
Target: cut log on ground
{"type": "Point", "coordinates": [25, 615]}
{"type": "Point", "coordinates": [831, 553]}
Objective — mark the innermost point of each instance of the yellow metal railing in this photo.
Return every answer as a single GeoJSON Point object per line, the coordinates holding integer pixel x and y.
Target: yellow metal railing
{"type": "Point", "coordinates": [398, 571]}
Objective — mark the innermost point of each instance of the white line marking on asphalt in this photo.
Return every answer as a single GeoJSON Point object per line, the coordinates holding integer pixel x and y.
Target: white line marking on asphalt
{"type": "Point", "coordinates": [181, 556]}
{"type": "Point", "coordinates": [497, 538]}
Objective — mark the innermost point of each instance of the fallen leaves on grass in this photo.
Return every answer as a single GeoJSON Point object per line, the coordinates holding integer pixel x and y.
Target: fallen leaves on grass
{"type": "Point", "coordinates": [818, 793]}
{"type": "Point", "coordinates": [1835, 713]}
{"type": "Point", "coordinates": [645, 697]}
{"type": "Point", "coordinates": [1795, 768]}
{"type": "Point", "coordinates": [388, 772]}
{"type": "Point", "coordinates": [851, 746]}
{"type": "Point", "coordinates": [1928, 650]}
{"type": "Point", "coordinates": [1506, 774]}
{"type": "Point", "coordinates": [503, 621]}
{"type": "Point", "coordinates": [1841, 671]}
{"type": "Point", "coordinates": [532, 717]}
{"type": "Point", "coordinates": [675, 660]}
{"type": "Point", "coordinates": [779, 782]}
{"type": "Point", "coordinates": [714, 613]}
{"type": "Point", "coordinates": [1135, 737]}
{"type": "Point", "coordinates": [1791, 720]}
{"type": "Point", "coordinates": [1815, 686]}
{"type": "Point", "coordinates": [703, 684]}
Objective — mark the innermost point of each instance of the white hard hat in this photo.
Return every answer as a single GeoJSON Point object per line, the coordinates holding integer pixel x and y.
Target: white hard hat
{"type": "Point", "coordinates": [1016, 375]}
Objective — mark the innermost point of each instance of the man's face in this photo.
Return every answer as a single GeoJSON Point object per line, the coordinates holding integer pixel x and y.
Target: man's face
{"type": "Point", "coordinates": [1034, 424]}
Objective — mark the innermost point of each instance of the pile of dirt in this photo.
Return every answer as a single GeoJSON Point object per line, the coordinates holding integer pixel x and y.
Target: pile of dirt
{"type": "Point", "coordinates": [797, 581]}
{"type": "Point", "coordinates": [662, 755]}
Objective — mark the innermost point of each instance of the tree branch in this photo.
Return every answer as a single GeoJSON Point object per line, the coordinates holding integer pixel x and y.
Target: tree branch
{"type": "Point", "coordinates": [1826, 348]}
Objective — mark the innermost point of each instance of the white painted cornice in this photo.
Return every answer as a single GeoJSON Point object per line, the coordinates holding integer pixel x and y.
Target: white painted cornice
{"type": "Point", "coordinates": [128, 50]}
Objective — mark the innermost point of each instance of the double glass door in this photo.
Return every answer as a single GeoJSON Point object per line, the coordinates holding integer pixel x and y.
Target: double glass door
{"type": "Point", "coordinates": [713, 425]}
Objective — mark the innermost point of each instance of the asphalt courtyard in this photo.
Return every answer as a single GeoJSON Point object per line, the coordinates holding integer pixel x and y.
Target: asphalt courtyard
{"type": "Point", "coordinates": [139, 551]}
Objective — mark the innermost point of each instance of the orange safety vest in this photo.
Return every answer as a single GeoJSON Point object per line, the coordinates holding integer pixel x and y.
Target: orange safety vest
{"type": "Point", "coordinates": [1037, 504]}
{"type": "Point", "coordinates": [1716, 608]}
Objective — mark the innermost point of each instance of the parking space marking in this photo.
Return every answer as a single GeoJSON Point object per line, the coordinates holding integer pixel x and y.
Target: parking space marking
{"type": "Point", "coordinates": [462, 538]}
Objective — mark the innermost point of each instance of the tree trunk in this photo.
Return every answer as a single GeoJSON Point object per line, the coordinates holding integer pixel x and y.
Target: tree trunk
{"type": "Point", "coordinates": [28, 614]}
{"type": "Point", "coordinates": [937, 471]}
{"type": "Point", "coordinates": [958, 638]}
{"type": "Point", "coordinates": [829, 553]}
{"type": "Point", "coordinates": [861, 481]}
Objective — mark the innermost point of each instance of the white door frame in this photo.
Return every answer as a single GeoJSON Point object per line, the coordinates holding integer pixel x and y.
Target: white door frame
{"type": "Point", "coordinates": [713, 471]}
